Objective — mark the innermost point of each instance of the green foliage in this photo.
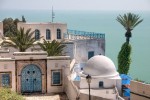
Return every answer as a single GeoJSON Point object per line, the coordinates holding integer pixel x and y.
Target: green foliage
{"type": "Point", "coordinates": [7, 94]}
{"type": "Point", "coordinates": [53, 48]}
{"type": "Point", "coordinates": [129, 21]}
{"type": "Point", "coordinates": [10, 26]}
{"type": "Point", "coordinates": [124, 58]}
{"type": "Point", "coordinates": [20, 40]}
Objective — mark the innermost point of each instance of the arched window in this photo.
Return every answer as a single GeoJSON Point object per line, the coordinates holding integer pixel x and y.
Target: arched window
{"type": "Point", "coordinates": [48, 34]}
{"type": "Point", "coordinates": [58, 34]}
{"type": "Point", "coordinates": [37, 34]}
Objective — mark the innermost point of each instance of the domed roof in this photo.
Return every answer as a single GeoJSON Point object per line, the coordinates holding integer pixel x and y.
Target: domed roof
{"type": "Point", "coordinates": [100, 66]}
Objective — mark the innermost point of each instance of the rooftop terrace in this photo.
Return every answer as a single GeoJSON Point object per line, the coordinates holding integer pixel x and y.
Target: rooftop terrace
{"type": "Point", "coordinates": [75, 34]}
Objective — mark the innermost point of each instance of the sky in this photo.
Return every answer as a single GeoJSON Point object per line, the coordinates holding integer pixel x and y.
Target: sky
{"type": "Point", "coordinates": [76, 4]}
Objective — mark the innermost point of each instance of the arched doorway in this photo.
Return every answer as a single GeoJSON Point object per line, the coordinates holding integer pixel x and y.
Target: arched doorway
{"type": "Point", "coordinates": [31, 79]}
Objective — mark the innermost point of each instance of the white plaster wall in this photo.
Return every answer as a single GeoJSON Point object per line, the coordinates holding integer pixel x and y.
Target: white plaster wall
{"type": "Point", "coordinates": [9, 66]}
{"type": "Point", "coordinates": [71, 90]}
{"type": "Point", "coordinates": [107, 83]}
{"type": "Point", "coordinates": [69, 50]}
{"type": "Point", "coordinates": [43, 26]}
{"type": "Point", "coordinates": [30, 55]}
{"type": "Point", "coordinates": [119, 85]}
{"type": "Point", "coordinates": [82, 47]}
{"type": "Point", "coordinates": [57, 65]}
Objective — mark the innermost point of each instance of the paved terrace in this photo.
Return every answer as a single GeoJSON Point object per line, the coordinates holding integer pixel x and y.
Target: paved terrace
{"type": "Point", "coordinates": [61, 96]}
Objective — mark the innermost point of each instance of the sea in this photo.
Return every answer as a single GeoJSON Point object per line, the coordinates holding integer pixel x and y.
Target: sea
{"type": "Point", "coordinates": [101, 22]}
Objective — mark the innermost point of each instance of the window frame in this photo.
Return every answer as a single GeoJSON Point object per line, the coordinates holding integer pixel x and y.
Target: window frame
{"type": "Point", "coordinates": [101, 84]}
{"type": "Point", "coordinates": [58, 70]}
{"type": "Point", "coordinates": [10, 79]}
{"type": "Point", "coordinates": [89, 53]}
{"type": "Point", "coordinates": [48, 34]}
{"type": "Point", "coordinates": [37, 31]}
{"type": "Point", "coordinates": [59, 34]}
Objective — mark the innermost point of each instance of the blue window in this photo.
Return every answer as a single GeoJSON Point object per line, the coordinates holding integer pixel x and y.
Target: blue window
{"type": "Point", "coordinates": [101, 84]}
{"type": "Point", "coordinates": [37, 34]}
{"type": "Point", "coordinates": [48, 34]}
{"type": "Point", "coordinates": [90, 54]}
{"type": "Point", "coordinates": [5, 79]}
{"type": "Point", "coordinates": [58, 34]}
{"type": "Point", "coordinates": [56, 77]}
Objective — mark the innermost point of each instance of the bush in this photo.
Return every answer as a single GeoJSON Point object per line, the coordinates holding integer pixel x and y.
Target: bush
{"type": "Point", "coordinates": [124, 58]}
{"type": "Point", "coordinates": [7, 94]}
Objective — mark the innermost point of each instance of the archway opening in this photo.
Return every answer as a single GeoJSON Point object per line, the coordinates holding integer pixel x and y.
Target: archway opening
{"type": "Point", "coordinates": [31, 79]}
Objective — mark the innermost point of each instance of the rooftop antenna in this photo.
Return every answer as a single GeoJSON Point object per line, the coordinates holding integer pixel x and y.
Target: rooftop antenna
{"type": "Point", "coordinates": [53, 14]}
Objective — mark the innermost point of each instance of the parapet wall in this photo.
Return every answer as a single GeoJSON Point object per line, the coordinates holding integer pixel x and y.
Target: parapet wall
{"type": "Point", "coordinates": [140, 91]}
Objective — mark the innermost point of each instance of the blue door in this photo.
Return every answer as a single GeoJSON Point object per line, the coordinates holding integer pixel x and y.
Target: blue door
{"type": "Point", "coordinates": [31, 79]}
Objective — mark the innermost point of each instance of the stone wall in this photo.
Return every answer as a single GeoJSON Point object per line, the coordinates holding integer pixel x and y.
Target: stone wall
{"type": "Point", "coordinates": [140, 91]}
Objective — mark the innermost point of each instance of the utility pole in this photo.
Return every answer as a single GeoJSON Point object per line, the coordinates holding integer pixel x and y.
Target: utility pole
{"type": "Point", "coordinates": [53, 14]}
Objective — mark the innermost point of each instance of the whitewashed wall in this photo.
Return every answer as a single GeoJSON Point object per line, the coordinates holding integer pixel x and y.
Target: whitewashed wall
{"type": "Point", "coordinates": [8, 65]}
{"type": "Point", "coordinates": [57, 63]}
{"type": "Point", "coordinates": [43, 26]}
{"type": "Point", "coordinates": [82, 47]}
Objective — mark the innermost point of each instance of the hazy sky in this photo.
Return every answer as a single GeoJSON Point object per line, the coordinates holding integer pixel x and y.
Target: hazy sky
{"type": "Point", "coordinates": [76, 4]}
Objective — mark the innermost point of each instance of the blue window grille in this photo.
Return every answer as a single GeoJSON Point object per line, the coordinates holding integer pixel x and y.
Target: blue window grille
{"type": "Point", "coordinates": [48, 34]}
{"type": "Point", "coordinates": [37, 34]}
{"type": "Point", "coordinates": [56, 78]}
{"type": "Point", "coordinates": [58, 34]}
{"type": "Point", "coordinates": [5, 80]}
{"type": "Point", "coordinates": [90, 54]}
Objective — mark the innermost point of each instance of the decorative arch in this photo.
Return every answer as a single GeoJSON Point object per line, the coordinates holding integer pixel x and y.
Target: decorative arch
{"type": "Point", "coordinates": [37, 34]}
{"type": "Point", "coordinates": [41, 64]}
{"type": "Point", "coordinates": [31, 79]}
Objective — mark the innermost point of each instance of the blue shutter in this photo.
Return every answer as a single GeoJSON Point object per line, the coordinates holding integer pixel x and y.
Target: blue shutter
{"type": "Point", "coordinates": [101, 84]}
{"type": "Point", "coordinates": [48, 34]}
{"type": "Point", "coordinates": [58, 34]}
{"type": "Point", "coordinates": [90, 54]}
{"type": "Point", "coordinates": [56, 78]}
{"type": "Point", "coordinates": [37, 34]}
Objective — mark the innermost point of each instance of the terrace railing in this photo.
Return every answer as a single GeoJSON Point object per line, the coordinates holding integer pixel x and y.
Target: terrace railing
{"type": "Point", "coordinates": [75, 34]}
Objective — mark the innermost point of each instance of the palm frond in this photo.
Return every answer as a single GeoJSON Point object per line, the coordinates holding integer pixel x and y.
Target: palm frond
{"type": "Point", "coordinates": [53, 48]}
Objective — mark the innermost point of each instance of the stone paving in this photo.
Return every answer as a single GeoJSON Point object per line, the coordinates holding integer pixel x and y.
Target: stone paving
{"type": "Point", "coordinates": [61, 96]}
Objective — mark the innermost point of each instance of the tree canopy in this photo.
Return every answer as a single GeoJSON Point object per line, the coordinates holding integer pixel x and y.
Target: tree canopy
{"type": "Point", "coordinates": [129, 21]}
{"type": "Point", "coordinates": [53, 48]}
{"type": "Point", "coordinates": [10, 25]}
{"type": "Point", "coordinates": [21, 40]}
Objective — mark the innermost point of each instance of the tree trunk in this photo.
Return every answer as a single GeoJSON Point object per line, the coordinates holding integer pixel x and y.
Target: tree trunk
{"type": "Point", "coordinates": [128, 35]}
{"type": "Point", "coordinates": [128, 39]}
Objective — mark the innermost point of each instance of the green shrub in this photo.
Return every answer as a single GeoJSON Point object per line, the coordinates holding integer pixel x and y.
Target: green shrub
{"type": "Point", "coordinates": [124, 58]}
{"type": "Point", "coordinates": [7, 94]}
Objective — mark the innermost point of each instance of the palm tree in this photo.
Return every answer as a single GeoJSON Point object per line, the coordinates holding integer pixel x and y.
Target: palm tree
{"type": "Point", "coordinates": [53, 48]}
{"type": "Point", "coordinates": [21, 40]}
{"type": "Point", "coordinates": [129, 21]}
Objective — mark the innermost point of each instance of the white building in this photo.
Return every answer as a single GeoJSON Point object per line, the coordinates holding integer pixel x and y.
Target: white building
{"type": "Point", "coordinates": [32, 71]}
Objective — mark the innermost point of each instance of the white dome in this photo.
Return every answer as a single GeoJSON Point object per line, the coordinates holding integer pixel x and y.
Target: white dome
{"type": "Point", "coordinates": [100, 66]}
